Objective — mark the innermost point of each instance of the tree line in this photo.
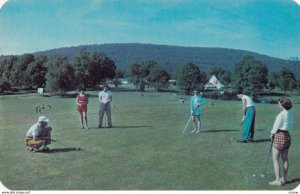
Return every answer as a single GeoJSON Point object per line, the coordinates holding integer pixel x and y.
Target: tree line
{"type": "Point", "coordinates": [89, 69]}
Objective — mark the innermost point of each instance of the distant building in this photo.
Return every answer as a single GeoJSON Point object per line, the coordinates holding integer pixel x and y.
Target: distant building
{"type": "Point", "coordinates": [172, 82]}
{"type": "Point", "coordinates": [40, 91]}
{"type": "Point", "coordinates": [124, 81]}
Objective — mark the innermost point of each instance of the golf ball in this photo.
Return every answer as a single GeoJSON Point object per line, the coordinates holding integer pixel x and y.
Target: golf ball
{"type": "Point", "coordinates": [262, 175]}
{"type": "Point", "coordinates": [254, 175]}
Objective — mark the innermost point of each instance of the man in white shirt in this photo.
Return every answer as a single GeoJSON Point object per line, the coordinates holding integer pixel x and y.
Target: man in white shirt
{"type": "Point", "coordinates": [105, 97]}
{"type": "Point", "coordinates": [39, 135]}
{"type": "Point", "coordinates": [248, 119]}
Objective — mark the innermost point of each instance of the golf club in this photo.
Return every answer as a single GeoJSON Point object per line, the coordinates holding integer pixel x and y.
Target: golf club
{"type": "Point", "coordinates": [75, 148]}
{"type": "Point", "coordinates": [241, 128]}
{"type": "Point", "coordinates": [263, 175]}
{"type": "Point", "coordinates": [189, 119]}
{"type": "Point", "coordinates": [187, 124]}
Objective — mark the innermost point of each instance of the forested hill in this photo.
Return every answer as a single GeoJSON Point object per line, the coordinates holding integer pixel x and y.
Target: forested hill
{"type": "Point", "coordinates": [170, 57]}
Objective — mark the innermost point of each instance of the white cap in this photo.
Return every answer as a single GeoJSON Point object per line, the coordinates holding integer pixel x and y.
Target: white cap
{"type": "Point", "coordinates": [43, 119]}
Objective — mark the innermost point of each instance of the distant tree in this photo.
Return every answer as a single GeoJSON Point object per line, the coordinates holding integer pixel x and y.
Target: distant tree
{"type": "Point", "coordinates": [147, 73]}
{"type": "Point", "coordinates": [81, 63]}
{"type": "Point", "coordinates": [138, 72]}
{"type": "Point", "coordinates": [18, 75]}
{"type": "Point", "coordinates": [135, 73]}
{"type": "Point", "coordinates": [36, 72]}
{"type": "Point", "coordinates": [250, 76]}
{"type": "Point", "coordinates": [222, 74]}
{"type": "Point", "coordinates": [93, 68]}
{"type": "Point", "coordinates": [189, 76]}
{"type": "Point", "coordinates": [119, 74]}
{"type": "Point", "coordinates": [154, 75]}
{"type": "Point", "coordinates": [148, 66]}
{"type": "Point", "coordinates": [4, 86]}
{"type": "Point", "coordinates": [298, 86]}
{"type": "Point", "coordinates": [273, 80]}
{"type": "Point", "coordinates": [158, 77]}
{"type": "Point", "coordinates": [6, 67]}
{"type": "Point", "coordinates": [286, 79]}
{"type": "Point", "coordinates": [60, 76]}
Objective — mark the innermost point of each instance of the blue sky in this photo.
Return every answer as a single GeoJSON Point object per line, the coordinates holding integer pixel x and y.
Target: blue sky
{"type": "Point", "coordinates": [270, 27]}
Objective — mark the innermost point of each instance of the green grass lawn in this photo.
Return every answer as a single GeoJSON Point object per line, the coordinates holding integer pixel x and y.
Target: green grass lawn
{"type": "Point", "coordinates": [146, 150]}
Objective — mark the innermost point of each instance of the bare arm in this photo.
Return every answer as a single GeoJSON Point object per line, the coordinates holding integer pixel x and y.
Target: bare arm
{"type": "Point", "coordinates": [244, 106]}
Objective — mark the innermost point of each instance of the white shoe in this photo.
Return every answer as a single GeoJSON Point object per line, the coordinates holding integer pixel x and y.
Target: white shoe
{"type": "Point", "coordinates": [275, 183]}
{"type": "Point", "coordinates": [193, 131]}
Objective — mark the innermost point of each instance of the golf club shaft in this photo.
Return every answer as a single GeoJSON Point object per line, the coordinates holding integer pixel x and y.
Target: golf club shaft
{"type": "Point", "coordinates": [187, 124]}
{"type": "Point", "coordinates": [62, 144]}
{"type": "Point", "coordinates": [189, 120]}
{"type": "Point", "coordinates": [268, 158]}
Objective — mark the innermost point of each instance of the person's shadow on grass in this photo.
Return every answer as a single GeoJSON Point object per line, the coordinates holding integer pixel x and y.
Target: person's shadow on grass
{"type": "Point", "coordinates": [293, 181]}
{"type": "Point", "coordinates": [144, 126]}
{"type": "Point", "coordinates": [216, 131]}
{"type": "Point", "coordinates": [116, 127]}
{"type": "Point", "coordinates": [59, 150]}
{"type": "Point", "coordinates": [261, 140]}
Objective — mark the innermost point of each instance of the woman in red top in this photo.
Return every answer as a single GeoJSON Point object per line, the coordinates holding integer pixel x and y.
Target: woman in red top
{"type": "Point", "coordinates": [82, 101]}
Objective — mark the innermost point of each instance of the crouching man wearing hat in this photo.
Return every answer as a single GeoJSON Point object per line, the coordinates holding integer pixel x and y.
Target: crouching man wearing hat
{"type": "Point", "coordinates": [39, 135]}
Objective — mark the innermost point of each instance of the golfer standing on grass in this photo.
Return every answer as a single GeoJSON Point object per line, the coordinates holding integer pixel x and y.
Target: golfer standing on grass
{"type": "Point", "coordinates": [196, 102]}
{"type": "Point", "coordinates": [248, 119]}
{"type": "Point", "coordinates": [105, 97]}
{"type": "Point", "coordinates": [281, 140]}
{"type": "Point", "coordinates": [39, 135]}
{"type": "Point", "coordinates": [82, 101]}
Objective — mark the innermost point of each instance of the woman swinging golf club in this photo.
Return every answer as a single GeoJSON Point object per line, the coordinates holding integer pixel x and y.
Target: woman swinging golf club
{"type": "Point", "coordinates": [196, 102]}
{"type": "Point", "coordinates": [281, 140]}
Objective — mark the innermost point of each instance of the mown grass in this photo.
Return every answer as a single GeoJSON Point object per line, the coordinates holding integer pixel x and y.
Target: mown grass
{"type": "Point", "coordinates": [146, 150]}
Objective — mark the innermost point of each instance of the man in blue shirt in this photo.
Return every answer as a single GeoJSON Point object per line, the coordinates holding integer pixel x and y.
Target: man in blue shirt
{"type": "Point", "coordinates": [196, 102]}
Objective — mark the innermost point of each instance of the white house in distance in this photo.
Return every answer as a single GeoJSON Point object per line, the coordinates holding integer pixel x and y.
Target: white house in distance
{"type": "Point", "coordinates": [124, 81]}
{"type": "Point", "coordinates": [213, 82]}
{"type": "Point", "coordinates": [172, 82]}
